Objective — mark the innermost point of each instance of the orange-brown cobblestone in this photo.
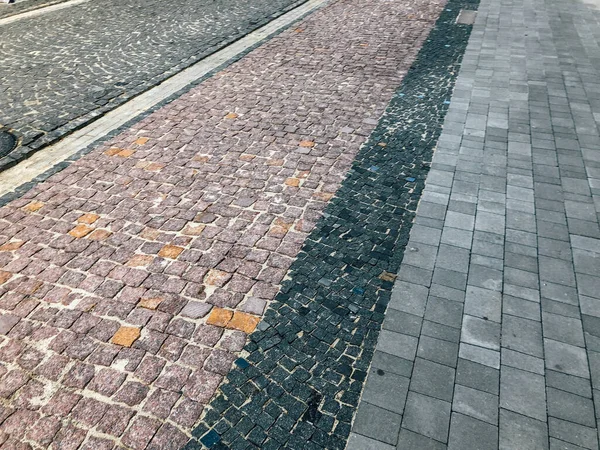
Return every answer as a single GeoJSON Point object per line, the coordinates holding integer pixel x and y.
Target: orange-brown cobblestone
{"type": "Point", "coordinates": [81, 231]}
{"type": "Point", "coordinates": [219, 317]}
{"type": "Point", "coordinates": [126, 336]}
{"type": "Point", "coordinates": [243, 322]}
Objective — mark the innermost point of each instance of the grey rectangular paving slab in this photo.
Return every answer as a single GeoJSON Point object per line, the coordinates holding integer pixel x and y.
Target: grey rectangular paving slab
{"type": "Point", "coordinates": [427, 416]}
{"type": "Point", "coordinates": [467, 432]}
{"type": "Point", "coordinates": [474, 403]}
{"type": "Point", "coordinates": [512, 206]}
{"type": "Point", "coordinates": [377, 423]}
{"type": "Point", "coordinates": [386, 390]}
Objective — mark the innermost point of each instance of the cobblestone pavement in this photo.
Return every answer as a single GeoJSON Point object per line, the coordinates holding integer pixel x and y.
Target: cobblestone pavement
{"type": "Point", "coordinates": [67, 67]}
{"type": "Point", "coordinates": [492, 336]}
{"type": "Point", "coordinates": [131, 279]}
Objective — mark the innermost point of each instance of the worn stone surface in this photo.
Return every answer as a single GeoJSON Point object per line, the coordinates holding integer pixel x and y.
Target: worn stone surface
{"type": "Point", "coordinates": [219, 317]}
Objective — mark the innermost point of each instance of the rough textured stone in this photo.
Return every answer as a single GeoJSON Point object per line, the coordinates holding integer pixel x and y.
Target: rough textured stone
{"type": "Point", "coordinates": [34, 206]}
{"type": "Point", "coordinates": [126, 336]}
{"type": "Point", "coordinates": [243, 322]}
{"type": "Point", "coordinates": [219, 317]}
{"type": "Point", "coordinates": [7, 321]}
{"type": "Point", "coordinates": [80, 231]}
{"type": "Point", "coordinates": [150, 303]}
{"type": "Point", "coordinates": [10, 246]}
{"type": "Point", "coordinates": [195, 310]}
{"type": "Point", "coordinates": [88, 218]}
{"type": "Point", "coordinates": [170, 251]}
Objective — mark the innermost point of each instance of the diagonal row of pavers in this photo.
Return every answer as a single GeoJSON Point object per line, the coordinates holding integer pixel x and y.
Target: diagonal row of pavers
{"type": "Point", "coordinates": [492, 337]}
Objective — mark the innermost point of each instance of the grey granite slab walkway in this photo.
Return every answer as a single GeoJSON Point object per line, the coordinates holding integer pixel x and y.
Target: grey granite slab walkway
{"type": "Point", "coordinates": [492, 337]}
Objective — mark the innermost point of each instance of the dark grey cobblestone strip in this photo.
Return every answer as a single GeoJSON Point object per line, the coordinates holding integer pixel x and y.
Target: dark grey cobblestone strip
{"type": "Point", "coordinates": [300, 383]}
{"type": "Point", "coordinates": [61, 108]}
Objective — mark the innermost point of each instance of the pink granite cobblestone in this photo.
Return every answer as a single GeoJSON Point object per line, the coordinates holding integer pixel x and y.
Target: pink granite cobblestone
{"type": "Point", "coordinates": [197, 210]}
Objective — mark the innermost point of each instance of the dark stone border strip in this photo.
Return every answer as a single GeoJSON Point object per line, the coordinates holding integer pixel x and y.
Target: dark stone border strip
{"type": "Point", "coordinates": [25, 187]}
{"type": "Point", "coordinates": [300, 383]}
{"type": "Point", "coordinates": [30, 145]}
